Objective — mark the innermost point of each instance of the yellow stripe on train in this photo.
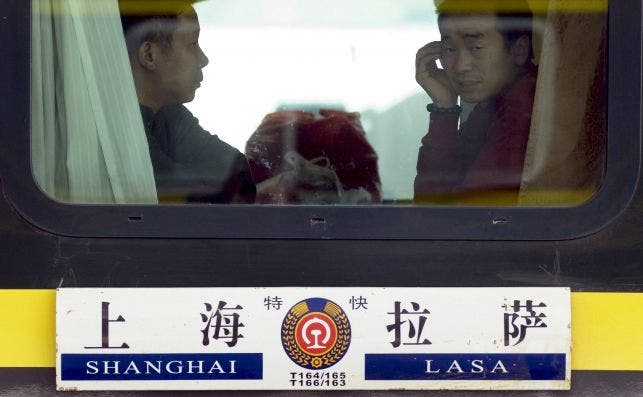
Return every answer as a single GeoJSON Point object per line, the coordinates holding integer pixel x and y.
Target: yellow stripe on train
{"type": "Point", "coordinates": [607, 330]}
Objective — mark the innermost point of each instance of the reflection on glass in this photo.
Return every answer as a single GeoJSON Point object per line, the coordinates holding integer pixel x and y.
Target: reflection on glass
{"type": "Point", "coordinates": [355, 56]}
{"type": "Point", "coordinates": [319, 102]}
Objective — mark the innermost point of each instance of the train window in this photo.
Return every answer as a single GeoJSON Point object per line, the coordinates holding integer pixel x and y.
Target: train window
{"type": "Point", "coordinates": [410, 119]}
{"type": "Point", "coordinates": [323, 105]}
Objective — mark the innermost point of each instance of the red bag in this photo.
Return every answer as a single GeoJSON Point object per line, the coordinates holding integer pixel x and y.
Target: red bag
{"type": "Point", "coordinates": [298, 157]}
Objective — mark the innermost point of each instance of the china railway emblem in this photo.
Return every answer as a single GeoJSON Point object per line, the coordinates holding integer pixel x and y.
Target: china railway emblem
{"type": "Point", "coordinates": [316, 333]}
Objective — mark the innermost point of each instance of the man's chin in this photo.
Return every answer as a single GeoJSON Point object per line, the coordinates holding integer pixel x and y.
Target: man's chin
{"type": "Point", "coordinates": [189, 98]}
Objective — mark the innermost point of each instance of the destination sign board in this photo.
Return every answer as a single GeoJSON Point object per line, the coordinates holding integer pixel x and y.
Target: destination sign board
{"type": "Point", "coordinates": [313, 339]}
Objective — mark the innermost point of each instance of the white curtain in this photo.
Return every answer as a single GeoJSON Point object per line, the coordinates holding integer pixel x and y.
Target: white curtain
{"type": "Point", "coordinates": [88, 141]}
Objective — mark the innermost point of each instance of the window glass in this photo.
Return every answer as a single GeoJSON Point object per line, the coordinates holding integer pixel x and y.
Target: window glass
{"type": "Point", "coordinates": [361, 102]}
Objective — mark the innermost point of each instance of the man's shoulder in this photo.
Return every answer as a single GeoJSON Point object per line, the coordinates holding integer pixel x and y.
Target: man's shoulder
{"type": "Point", "coordinates": [181, 122]}
{"type": "Point", "coordinates": [519, 97]}
{"type": "Point", "coordinates": [511, 115]}
{"type": "Point", "coordinates": [177, 114]}
{"type": "Point", "coordinates": [186, 133]}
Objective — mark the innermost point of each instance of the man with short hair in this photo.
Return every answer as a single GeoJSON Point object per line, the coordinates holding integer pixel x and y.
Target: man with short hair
{"type": "Point", "coordinates": [486, 57]}
{"type": "Point", "coordinates": [190, 164]}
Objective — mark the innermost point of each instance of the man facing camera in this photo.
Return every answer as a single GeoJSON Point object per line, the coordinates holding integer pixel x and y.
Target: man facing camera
{"type": "Point", "coordinates": [190, 164]}
{"type": "Point", "coordinates": [486, 57]}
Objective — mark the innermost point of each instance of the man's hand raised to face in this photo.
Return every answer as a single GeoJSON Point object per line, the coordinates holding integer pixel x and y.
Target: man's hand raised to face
{"type": "Point", "coordinates": [432, 79]}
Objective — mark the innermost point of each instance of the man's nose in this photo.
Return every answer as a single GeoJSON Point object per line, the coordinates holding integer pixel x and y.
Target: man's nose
{"type": "Point", "coordinates": [203, 59]}
{"type": "Point", "coordinates": [463, 62]}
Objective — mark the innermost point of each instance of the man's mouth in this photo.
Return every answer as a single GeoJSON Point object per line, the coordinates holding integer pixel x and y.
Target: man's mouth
{"type": "Point", "coordinates": [468, 83]}
{"type": "Point", "coordinates": [199, 80]}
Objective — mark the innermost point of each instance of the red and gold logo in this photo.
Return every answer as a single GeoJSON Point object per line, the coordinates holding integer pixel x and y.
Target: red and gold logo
{"type": "Point", "coordinates": [316, 333]}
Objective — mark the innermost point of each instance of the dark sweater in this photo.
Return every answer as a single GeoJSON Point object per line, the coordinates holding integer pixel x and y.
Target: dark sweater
{"type": "Point", "coordinates": [190, 164]}
{"type": "Point", "coordinates": [485, 156]}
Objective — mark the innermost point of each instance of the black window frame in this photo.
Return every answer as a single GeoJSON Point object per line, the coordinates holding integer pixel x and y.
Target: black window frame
{"type": "Point", "coordinates": [326, 222]}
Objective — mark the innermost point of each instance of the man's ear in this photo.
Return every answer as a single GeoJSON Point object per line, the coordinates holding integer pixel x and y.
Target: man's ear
{"type": "Point", "coordinates": [520, 50]}
{"type": "Point", "coordinates": [147, 55]}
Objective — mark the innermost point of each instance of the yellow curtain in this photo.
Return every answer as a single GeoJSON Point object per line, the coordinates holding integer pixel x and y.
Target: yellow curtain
{"type": "Point", "coordinates": [564, 162]}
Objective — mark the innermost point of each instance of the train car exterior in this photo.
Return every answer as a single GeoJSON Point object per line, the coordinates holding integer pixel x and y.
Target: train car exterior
{"type": "Point", "coordinates": [595, 249]}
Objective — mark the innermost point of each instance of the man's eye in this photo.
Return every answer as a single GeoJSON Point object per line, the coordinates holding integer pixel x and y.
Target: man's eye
{"type": "Point", "coordinates": [448, 50]}
{"type": "Point", "coordinates": [476, 48]}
